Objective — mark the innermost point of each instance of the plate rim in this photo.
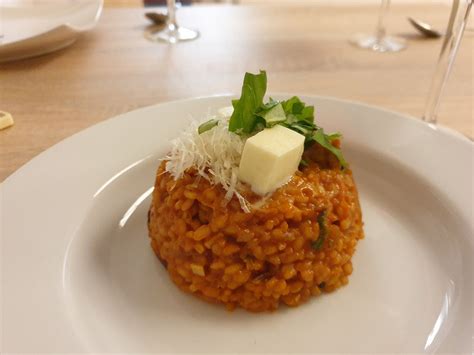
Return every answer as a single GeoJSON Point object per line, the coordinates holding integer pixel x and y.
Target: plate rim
{"type": "Point", "coordinates": [69, 31]}
{"type": "Point", "coordinates": [456, 135]}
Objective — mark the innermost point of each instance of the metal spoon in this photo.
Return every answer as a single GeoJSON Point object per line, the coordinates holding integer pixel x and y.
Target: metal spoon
{"type": "Point", "coordinates": [156, 17]}
{"type": "Point", "coordinates": [425, 28]}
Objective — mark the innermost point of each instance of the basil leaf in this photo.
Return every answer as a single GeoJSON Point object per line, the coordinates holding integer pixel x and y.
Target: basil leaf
{"type": "Point", "coordinates": [297, 110]}
{"type": "Point", "coordinates": [206, 126]}
{"type": "Point", "coordinates": [252, 115]}
{"type": "Point", "coordinates": [334, 136]}
{"type": "Point", "coordinates": [288, 104]}
{"type": "Point", "coordinates": [270, 104]}
{"type": "Point", "coordinates": [301, 129]}
{"type": "Point", "coordinates": [260, 124]}
{"type": "Point", "coordinates": [324, 140]}
{"type": "Point", "coordinates": [303, 162]}
{"type": "Point", "coordinates": [307, 114]}
{"type": "Point", "coordinates": [243, 119]}
{"type": "Point", "coordinates": [297, 107]}
{"type": "Point", "coordinates": [273, 115]}
{"type": "Point", "coordinates": [318, 243]}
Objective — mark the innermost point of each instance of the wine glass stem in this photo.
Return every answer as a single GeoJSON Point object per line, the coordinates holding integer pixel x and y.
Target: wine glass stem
{"type": "Point", "coordinates": [380, 30]}
{"type": "Point", "coordinates": [457, 22]}
{"type": "Point", "coordinates": [1, 24]}
{"type": "Point", "coordinates": [171, 22]}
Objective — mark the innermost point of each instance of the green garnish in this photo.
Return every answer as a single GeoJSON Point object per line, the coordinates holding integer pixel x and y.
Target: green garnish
{"type": "Point", "coordinates": [303, 162]}
{"type": "Point", "coordinates": [334, 136]}
{"type": "Point", "coordinates": [243, 119]}
{"type": "Point", "coordinates": [318, 243]}
{"type": "Point", "coordinates": [206, 126]}
{"type": "Point", "coordinates": [296, 110]}
{"type": "Point", "coordinates": [325, 141]}
{"type": "Point", "coordinates": [251, 115]}
{"type": "Point", "coordinates": [273, 115]}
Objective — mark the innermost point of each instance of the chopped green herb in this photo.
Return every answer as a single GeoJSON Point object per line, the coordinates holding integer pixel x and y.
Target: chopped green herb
{"type": "Point", "coordinates": [206, 126]}
{"type": "Point", "coordinates": [325, 141]}
{"type": "Point", "coordinates": [273, 115]}
{"type": "Point", "coordinates": [334, 136]}
{"type": "Point", "coordinates": [318, 243]}
{"type": "Point", "coordinates": [251, 115]}
{"type": "Point", "coordinates": [270, 104]}
{"type": "Point", "coordinates": [243, 119]}
{"type": "Point", "coordinates": [302, 127]}
{"type": "Point", "coordinates": [298, 111]}
{"type": "Point", "coordinates": [303, 162]}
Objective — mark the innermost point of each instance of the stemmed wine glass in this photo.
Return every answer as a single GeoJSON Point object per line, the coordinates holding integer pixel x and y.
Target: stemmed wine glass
{"type": "Point", "coordinates": [1, 24]}
{"type": "Point", "coordinates": [172, 33]}
{"type": "Point", "coordinates": [380, 42]}
{"type": "Point", "coordinates": [457, 23]}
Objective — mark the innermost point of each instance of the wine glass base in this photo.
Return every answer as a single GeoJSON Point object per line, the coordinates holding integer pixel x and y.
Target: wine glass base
{"type": "Point", "coordinates": [386, 44]}
{"type": "Point", "coordinates": [173, 35]}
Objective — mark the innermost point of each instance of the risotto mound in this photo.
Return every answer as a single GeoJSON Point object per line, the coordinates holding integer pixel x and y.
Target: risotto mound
{"type": "Point", "coordinates": [297, 244]}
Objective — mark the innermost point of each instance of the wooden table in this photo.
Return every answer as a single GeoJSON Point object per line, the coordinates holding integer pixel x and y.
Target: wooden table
{"type": "Point", "coordinates": [114, 69]}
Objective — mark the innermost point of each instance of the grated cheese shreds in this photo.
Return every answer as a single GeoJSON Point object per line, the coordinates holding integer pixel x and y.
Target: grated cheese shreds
{"type": "Point", "coordinates": [215, 154]}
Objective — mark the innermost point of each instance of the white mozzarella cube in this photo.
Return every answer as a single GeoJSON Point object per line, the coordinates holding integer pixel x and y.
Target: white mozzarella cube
{"type": "Point", "coordinates": [270, 158]}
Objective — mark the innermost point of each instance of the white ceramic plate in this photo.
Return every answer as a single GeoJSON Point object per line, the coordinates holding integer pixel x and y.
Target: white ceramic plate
{"type": "Point", "coordinates": [34, 27]}
{"type": "Point", "coordinates": [78, 273]}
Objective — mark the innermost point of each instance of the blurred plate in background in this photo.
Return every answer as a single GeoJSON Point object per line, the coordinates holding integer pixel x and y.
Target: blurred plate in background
{"type": "Point", "coordinates": [32, 28]}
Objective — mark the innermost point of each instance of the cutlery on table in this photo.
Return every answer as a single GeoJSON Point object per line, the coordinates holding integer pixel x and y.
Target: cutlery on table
{"type": "Point", "coordinates": [427, 30]}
